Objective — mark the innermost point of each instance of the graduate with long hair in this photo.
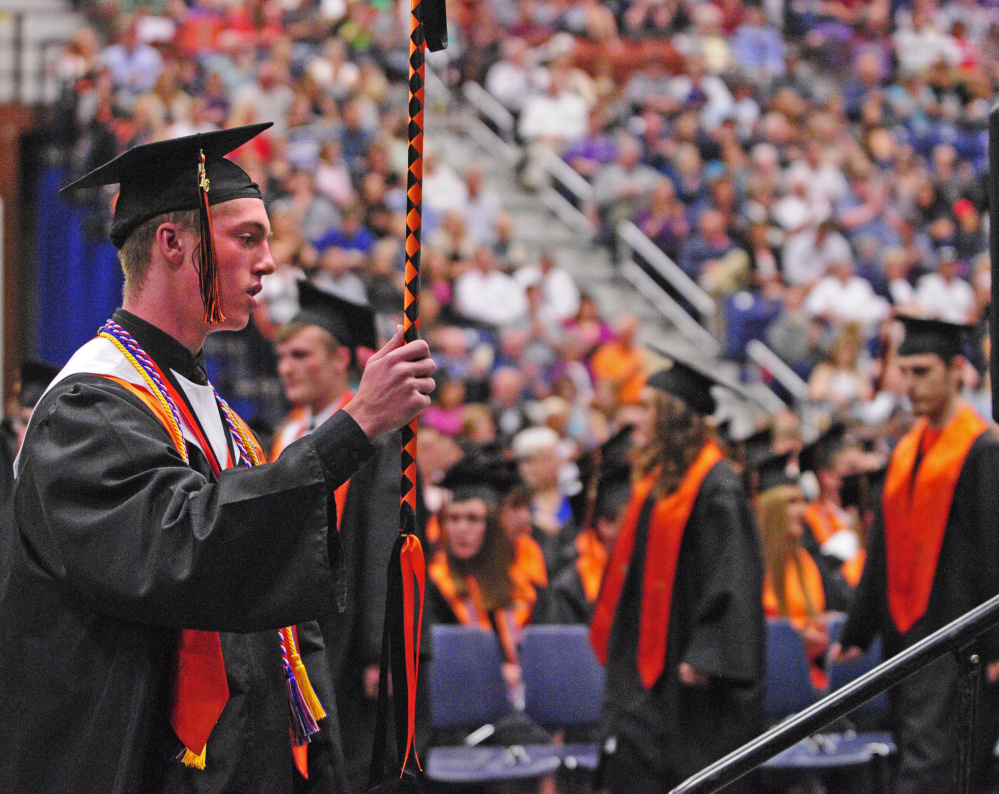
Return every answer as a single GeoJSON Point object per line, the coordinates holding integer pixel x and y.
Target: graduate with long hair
{"type": "Point", "coordinates": [797, 585]}
{"type": "Point", "coordinates": [679, 619]}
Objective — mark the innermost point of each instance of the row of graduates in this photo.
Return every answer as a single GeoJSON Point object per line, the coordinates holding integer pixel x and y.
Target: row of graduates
{"type": "Point", "coordinates": [680, 559]}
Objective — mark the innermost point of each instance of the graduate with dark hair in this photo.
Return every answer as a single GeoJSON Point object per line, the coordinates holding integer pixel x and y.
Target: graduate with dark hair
{"type": "Point", "coordinates": [148, 636]}
{"type": "Point", "coordinates": [479, 575]}
{"type": "Point", "coordinates": [679, 619]}
{"type": "Point", "coordinates": [932, 555]}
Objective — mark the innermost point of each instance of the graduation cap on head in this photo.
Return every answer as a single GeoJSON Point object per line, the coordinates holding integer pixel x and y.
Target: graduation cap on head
{"type": "Point", "coordinates": [351, 324]}
{"type": "Point", "coordinates": [861, 489]}
{"type": "Point", "coordinates": [613, 493]}
{"type": "Point", "coordinates": [775, 471]}
{"type": "Point", "coordinates": [481, 475]}
{"type": "Point", "coordinates": [688, 384]}
{"type": "Point", "coordinates": [816, 455]}
{"type": "Point", "coordinates": [604, 472]}
{"type": "Point", "coordinates": [757, 446]}
{"type": "Point", "coordinates": [35, 379]}
{"type": "Point", "coordinates": [941, 338]}
{"type": "Point", "coordinates": [188, 173]}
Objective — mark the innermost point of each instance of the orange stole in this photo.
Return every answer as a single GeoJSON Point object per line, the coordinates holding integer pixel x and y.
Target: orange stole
{"type": "Point", "coordinates": [795, 590]}
{"type": "Point", "coordinates": [824, 524]}
{"type": "Point", "coordinates": [470, 610]}
{"type": "Point", "coordinates": [590, 563]}
{"type": "Point", "coordinates": [822, 521]}
{"type": "Point", "coordinates": [529, 565]}
{"type": "Point", "coordinates": [916, 506]}
{"type": "Point", "coordinates": [666, 527]}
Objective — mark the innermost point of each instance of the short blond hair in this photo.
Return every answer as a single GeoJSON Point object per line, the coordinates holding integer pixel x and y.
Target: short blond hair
{"type": "Point", "coordinates": [135, 253]}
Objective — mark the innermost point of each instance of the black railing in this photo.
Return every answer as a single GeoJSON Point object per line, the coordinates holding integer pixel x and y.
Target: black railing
{"type": "Point", "coordinates": [954, 637]}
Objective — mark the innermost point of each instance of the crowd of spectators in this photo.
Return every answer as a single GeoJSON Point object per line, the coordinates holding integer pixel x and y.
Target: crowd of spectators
{"type": "Point", "coordinates": [815, 167]}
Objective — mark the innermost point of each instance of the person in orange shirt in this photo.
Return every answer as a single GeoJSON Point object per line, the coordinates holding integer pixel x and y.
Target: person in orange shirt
{"type": "Point", "coordinates": [618, 366]}
{"type": "Point", "coordinates": [797, 585]}
{"type": "Point", "coordinates": [932, 554]}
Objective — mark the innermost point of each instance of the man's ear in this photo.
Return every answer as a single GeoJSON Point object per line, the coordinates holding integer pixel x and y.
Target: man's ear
{"type": "Point", "coordinates": [342, 356]}
{"type": "Point", "coordinates": [170, 243]}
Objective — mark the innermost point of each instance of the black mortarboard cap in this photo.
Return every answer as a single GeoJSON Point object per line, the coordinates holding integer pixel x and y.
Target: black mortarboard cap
{"type": "Point", "coordinates": [481, 475]}
{"type": "Point", "coordinates": [160, 177]}
{"type": "Point", "coordinates": [351, 324]}
{"type": "Point", "coordinates": [35, 379]}
{"type": "Point", "coordinates": [815, 456]}
{"type": "Point", "coordinates": [938, 337]}
{"type": "Point", "coordinates": [604, 464]}
{"type": "Point", "coordinates": [862, 489]}
{"type": "Point", "coordinates": [774, 471]}
{"type": "Point", "coordinates": [613, 493]}
{"type": "Point", "coordinates": [758, 446]}
{"type": "Point", "coordinates": [688, 384]}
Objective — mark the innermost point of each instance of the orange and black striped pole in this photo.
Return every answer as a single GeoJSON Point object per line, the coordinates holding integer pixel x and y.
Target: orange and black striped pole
{"type": "Point", "coordinates": [406, 574]}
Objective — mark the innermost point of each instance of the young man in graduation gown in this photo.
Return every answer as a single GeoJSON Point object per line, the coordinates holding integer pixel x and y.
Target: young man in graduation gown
{"type": "Point", "coordinates": [679, 620]}
{"type": "Point", "coordinates": [932, 556]}
{"type": "Point", "coordinates": [317, 351]}
{"type": "Point", "coordinates": [147, 639]}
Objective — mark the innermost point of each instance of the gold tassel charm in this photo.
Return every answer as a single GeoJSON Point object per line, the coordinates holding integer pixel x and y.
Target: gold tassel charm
{"type": "Point", "coordinates": [206, 262]}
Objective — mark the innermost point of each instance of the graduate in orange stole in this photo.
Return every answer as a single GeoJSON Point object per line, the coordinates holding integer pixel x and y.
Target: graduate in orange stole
{"type": "Point", "coordinates": [798, 585]}
{"type": "Point", "coordinates": [830, 531]}
{"type": "Point", "coordinates": [679, 619]}
{"type": "Point", "coordinates": [573, 595]}
{"type": "Point", "coordinates": [478, 575]}
{"type": "Point", "coordinates": [932, 555]}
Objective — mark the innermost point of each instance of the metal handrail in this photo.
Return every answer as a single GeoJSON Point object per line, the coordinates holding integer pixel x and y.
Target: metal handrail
{"type": "Point", "coordinates": [669, 308]}
{"type": "Point", "coordinates": [635, 239]}
{"type": "Point", "coordinates": [952, 637]}
{"type": "Point", "coordinates": [490, 107]}
{"type": "Point", "coordinates": [568, 176]}
{"type": "Point", "coordinates": [766, 358]}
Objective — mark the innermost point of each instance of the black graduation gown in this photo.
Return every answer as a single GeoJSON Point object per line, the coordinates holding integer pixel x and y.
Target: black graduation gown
{"type": "Point", "coordinates": [923, 707]}
{"type": "Point", "coordinates": [567, 602]}
{"type": "Point", "coordinates": [368, 530]}
{"type": "Point", "coordinates": [665, 734]}
{"type": "Point", "coordinates": [120, 545]}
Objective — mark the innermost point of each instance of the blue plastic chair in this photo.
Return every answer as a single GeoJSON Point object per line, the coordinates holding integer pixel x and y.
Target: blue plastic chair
{"type": "Point", "coordinates": [789, 690]}
{"type": "Point", "coordinates": [468, 694]}
{"type": "Point", "coordinates": [788, 679]}
{"type": "Point", "coordinates": [563, 686]}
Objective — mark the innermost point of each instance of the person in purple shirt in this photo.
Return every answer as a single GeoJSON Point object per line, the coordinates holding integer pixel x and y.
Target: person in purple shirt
{"type": "Point", "coordinates": [351, 234]}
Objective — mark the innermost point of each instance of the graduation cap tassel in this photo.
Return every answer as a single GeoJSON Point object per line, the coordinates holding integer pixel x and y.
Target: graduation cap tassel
{"type": "Point", "coordinates": [407, 572]}
{"type": "Point", "coordinates": [207, 268]}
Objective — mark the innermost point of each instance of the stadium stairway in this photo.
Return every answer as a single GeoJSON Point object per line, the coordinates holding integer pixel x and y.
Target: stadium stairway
{"type": "Point", "coordinates": [32, 33]}
{"type": "Point", "coordinates": [449, 127]}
